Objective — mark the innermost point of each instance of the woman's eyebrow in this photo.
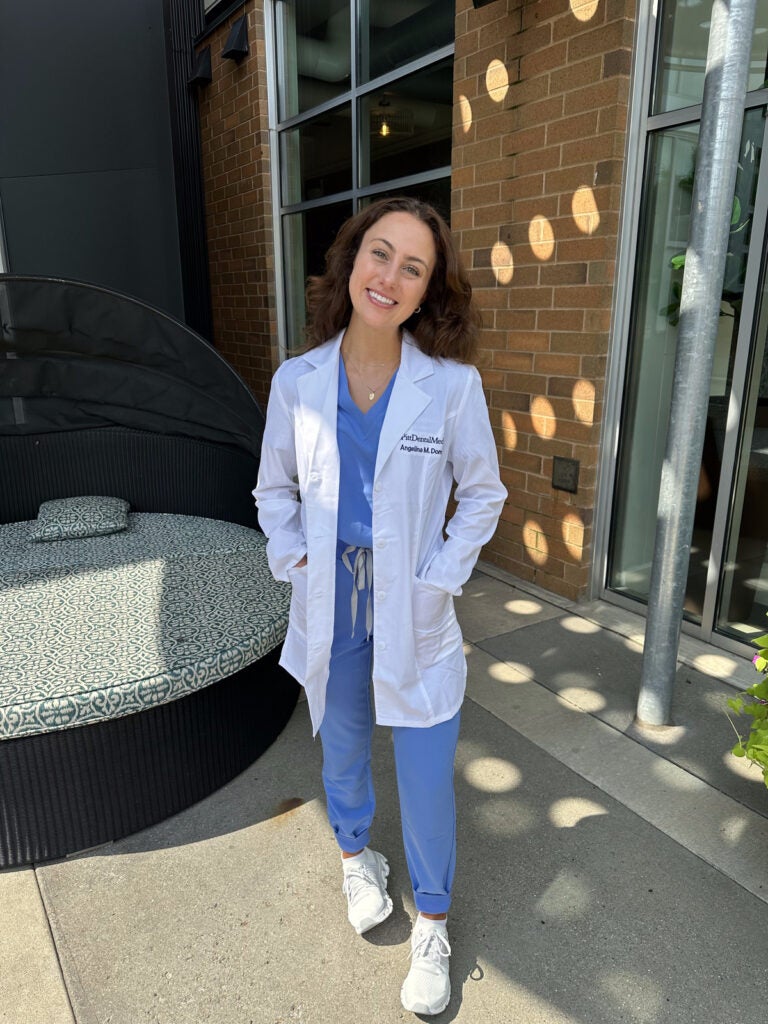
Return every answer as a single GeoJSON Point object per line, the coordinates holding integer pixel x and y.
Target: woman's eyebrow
{"type": "Point", "coordinates": [412, 259]}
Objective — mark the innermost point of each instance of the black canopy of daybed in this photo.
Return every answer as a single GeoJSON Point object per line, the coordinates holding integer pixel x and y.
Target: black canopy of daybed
{"type": "Point", "coordinates": [95, 384]}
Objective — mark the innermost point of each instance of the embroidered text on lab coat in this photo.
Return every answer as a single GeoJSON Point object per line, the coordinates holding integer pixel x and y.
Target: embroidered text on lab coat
{"type": "Point", "coordinates": [422, 444]}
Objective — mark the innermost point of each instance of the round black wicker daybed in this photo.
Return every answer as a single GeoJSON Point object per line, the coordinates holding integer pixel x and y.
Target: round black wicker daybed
{"type": "Point", "coordinates": [139, 625]}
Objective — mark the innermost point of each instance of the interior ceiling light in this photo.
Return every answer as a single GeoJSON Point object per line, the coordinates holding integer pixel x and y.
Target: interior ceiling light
{"type": "Point", "coordinates": [387, 120]}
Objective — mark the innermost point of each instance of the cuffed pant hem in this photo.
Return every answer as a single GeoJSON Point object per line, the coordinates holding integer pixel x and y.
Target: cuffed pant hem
{"type": "Point", "coordinates": [429, 903]}
{"type": "Point", "coordinates": [347, 845]}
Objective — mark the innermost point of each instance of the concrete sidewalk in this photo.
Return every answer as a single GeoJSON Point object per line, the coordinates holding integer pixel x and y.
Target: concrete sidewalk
{"type": "Point", "coordinates": [606, 873]}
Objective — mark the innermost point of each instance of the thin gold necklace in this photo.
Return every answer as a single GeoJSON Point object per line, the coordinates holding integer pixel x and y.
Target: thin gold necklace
{"type": "Point", "coordinates": [371, 389]}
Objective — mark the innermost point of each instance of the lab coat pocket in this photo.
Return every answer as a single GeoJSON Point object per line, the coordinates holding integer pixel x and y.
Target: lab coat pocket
{"type": "Point", "coordinates": [298, 612]}
{"type": "Point", "coordinates": [435, 629]}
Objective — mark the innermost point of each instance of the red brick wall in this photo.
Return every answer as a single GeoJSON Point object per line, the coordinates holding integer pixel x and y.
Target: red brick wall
{"type": "Point", "coordinates": [541, 90]}
{"type": "Point", "coordinates": [234, 132]}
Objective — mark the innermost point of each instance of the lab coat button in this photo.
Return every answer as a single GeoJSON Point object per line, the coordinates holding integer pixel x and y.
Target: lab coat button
{"type": "Point", "coordinates": [381, 543]}
{"type": "Point", "coordinates": [380, 645]}
{"type": "Point", "coordinates": [381, 595]}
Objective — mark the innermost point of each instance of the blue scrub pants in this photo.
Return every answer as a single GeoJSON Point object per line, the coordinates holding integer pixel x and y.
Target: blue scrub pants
{"type": "Point", "coordinates": [424, 760]}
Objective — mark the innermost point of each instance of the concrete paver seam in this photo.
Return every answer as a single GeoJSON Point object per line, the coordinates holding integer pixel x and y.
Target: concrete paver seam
{"type": "Point", "coordinates": [55, 945]}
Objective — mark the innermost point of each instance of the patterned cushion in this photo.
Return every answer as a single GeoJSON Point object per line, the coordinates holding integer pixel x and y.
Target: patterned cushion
{"type": "Point", "coordinates": [108, 626]}
{"type": "Point", "coordinates": [70, 518]}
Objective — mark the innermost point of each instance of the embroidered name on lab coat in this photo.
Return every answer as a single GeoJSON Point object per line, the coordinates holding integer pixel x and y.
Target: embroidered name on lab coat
{"type": "Point", "coordinates": [422, 444]}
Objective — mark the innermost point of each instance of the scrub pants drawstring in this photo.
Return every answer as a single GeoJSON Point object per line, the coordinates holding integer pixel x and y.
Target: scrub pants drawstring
{"type": "Point", "coordinates": [362, 576]}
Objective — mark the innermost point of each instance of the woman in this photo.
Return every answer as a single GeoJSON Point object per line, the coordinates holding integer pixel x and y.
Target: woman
{"type": "Point", "coordinates": [366, 433]}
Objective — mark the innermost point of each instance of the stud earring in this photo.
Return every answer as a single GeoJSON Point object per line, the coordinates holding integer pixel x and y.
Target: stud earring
{"type": "Point", "coordinates": [417, 310]}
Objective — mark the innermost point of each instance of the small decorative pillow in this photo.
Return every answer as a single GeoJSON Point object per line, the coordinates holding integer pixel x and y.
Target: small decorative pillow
{"type": "Point", "coordinates": [68, 518]}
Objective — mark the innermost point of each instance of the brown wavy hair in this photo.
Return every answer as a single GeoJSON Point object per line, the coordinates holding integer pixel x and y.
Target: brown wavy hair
{"type": "Point", "coordinates": [448, 324]}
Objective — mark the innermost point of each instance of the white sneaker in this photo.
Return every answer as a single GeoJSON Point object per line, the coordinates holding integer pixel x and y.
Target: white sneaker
{"type": "Point", "coordinates": [365, 886]}
{"type": "Point", "coordinates": [427, 989]}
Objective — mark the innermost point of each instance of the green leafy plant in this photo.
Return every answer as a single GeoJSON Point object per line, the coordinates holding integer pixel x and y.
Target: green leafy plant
{"type": "Point", "coordinates": [753, 703]}
{"type": "Point", "coordinates": [735, 266]}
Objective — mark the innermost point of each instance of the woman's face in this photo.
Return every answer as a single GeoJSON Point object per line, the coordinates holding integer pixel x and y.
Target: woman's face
{"type": "Point", "coordinates": [391, 271]}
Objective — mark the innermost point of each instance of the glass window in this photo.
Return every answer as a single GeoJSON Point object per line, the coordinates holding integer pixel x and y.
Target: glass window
{"type": "Point", "coordinates": [744, 593]}
{"type": "Point", "coordinates": [437, 193]}
{"type": "Point", "coordinates": [364, 139]}
{"type": "Point", "coordinates": [316, 158]}
{"type": "Point", "coordinates": [409, 125]}
{"type": "Point", "coordinates": [682, 53]}
{"type": "Point", "coordinates": [395, 32]}
{"type": "Point", "coordinates": [314, 53]}
{"type": "Point", "coordinates": [307, 237]}
{"type": "Point", "coordinates": [661, 259]}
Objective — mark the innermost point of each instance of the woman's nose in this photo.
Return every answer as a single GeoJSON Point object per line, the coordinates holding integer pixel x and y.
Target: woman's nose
{"type": "Point", "coordinates": [388, 273]}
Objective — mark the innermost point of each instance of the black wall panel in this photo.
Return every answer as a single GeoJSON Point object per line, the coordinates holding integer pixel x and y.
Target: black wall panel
{"type": "Point", "coordinates": [86, 157]}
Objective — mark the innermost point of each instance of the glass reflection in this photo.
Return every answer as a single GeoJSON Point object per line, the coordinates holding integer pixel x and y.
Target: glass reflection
{"type": "Point", "coordinates": [437, 193]}
{"type": "Point", "coordinates": [682, 53]}
{"type": "Point", "coordinates": [744, 595]}
{"type": "Point", "coordinates": [409, 125]}
{"type": "Point", "coordinates": [661, 257]}
{"type": "Point", "coordinates": [316, 158]}
{"type": "Point", "coordinates": [307, 237]}
{"type": "Point", "coordinates": [395, 32]}
{"type": "Point", "coordinates": [314, 53]}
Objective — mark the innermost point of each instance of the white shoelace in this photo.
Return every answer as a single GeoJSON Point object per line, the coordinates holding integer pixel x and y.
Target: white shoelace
{"type": "Point", "coordinates": [362, 579]}
{"type": "Point", "coordinates": [356, 880]}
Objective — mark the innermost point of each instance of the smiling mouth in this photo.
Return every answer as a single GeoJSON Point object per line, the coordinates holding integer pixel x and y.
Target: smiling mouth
{"type": "Point", "coordinates": [381, 299]}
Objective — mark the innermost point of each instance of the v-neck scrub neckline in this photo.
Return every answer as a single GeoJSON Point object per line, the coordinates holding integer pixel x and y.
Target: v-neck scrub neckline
{"type": "Point", "coordinates": [347, 402]}
{"type": "Point", "coordinates": [357, 436]}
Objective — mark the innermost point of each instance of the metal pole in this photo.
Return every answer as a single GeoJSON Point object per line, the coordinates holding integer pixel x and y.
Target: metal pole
{"type": "Point", "coordinates": [722, 112]}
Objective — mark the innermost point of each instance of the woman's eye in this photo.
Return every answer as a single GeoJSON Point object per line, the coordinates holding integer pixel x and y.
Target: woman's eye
{"type": "Point", "coordinates": [412, 270]}
{"type": "Point", "coordinates": [380, 254]}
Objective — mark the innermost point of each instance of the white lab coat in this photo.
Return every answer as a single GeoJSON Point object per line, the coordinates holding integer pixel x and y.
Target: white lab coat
{"type": "Point", "coordinates": [436, 429]}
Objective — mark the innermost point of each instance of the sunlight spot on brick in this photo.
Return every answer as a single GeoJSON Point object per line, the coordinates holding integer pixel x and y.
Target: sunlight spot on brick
{"type": "Point", "coordinates": [497, 81]}
{"type": "Point", "coordinates": [585, 212]}
{"type": "Point", "coordinates": [502, 262]}
{"type": "Point", "coordinates": [573, 534]}
{"type": "Point", "coordinates": [535, 542]}
{"type": "Point", "coordinates": [583, 398]}
{"type": "Point", "coordinates": [541, 237]}
{"type": "Point", "coordinates": [584, 10]}
{"type": "Point", "coordinates": [493, 775]}
{"type": "Point", "coordinates": [509, 428]}
{"type": "Point", "coordinates": [543, 417]}
{"type": "Point", "coordinates": [465, 113]}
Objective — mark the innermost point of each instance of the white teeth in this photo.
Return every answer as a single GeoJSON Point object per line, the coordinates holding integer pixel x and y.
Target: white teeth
{"type": "Point", "coordinates": [380, 298]}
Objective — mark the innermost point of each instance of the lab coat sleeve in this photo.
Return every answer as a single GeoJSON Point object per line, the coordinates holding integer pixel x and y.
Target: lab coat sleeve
{"type": "Point", "coordinates": [480, 494]}
{"type": "Point", "coordinates": [277, 490]}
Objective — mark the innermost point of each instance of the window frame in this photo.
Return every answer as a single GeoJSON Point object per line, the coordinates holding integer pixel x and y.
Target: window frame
{"type": "Point", "coordinates": [357, 194]}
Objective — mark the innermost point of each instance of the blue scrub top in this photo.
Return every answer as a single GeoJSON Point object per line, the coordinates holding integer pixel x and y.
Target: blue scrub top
{"type": "Point", "coordinates": [357, 435]}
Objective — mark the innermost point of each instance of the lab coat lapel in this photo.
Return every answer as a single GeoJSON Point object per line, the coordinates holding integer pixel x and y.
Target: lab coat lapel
{"type": "Point", "coordinates": [318, 400]}
{"type": "Point", "coordinates": [407, 401]}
